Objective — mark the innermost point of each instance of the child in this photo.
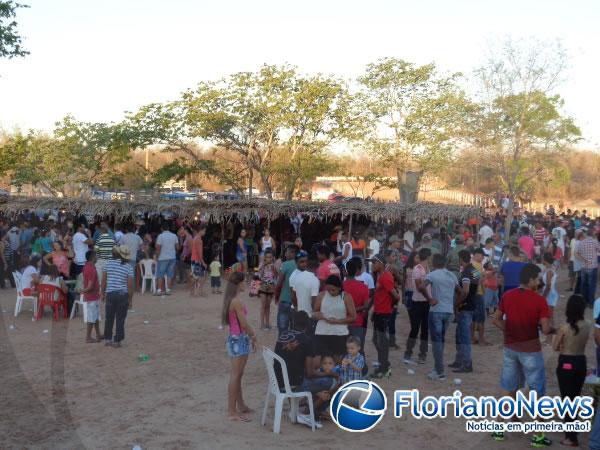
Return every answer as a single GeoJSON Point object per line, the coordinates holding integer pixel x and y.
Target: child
{"type": "Point", "coordinates": [330, 370]}
{"type": "Point", "coordinates": [215, 275]}
{"type": "Point", "coordinates": [353, 362]}
{"type": "Point", "coordinates": [268, 277]}
{"type": "Point", "coordinates": [91, 295]}
{"type": "Point", "coordinates": [490, 283]}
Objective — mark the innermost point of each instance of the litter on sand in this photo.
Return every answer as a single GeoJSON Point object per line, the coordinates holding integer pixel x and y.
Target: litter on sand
{"type": "Point", "coordinates": [146, 322]}
{"type": "Point", "coordinates": [12, 327]}
{"type": "Point", "coordinates": [45, 331]}
{"type": "Point", "coordinates": [410, 372]}
{"type": "Point", "coordinates": [457, 381]}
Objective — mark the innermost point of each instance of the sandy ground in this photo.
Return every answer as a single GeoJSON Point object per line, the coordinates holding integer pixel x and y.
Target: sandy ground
{"type": "Point", "coordinates": [58, 392]}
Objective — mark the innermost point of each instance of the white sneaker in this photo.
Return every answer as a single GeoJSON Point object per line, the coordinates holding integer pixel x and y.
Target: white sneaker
{"type": "Point", "coordinates": [433, 375]}
{"type": "Point", "coordinates": [158, 293]}
{"type": "Point", "coordinates": [168, 292]}
{"type": "Point", "coordinates": [307, 420]}
{"type": "Point", "coordinates": [409, 361]}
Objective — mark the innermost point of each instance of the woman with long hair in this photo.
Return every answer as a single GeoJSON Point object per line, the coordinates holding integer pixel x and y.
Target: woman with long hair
{"type": "Point", "coordinates": [241, 337]}
{"type": "Point", "coordinates": [570, 343]}
{"type": "Point", "coordinates": [59, 258]}
{"type": "Point", "coordinates": [409, 284]}
{"type": "Point", "coordinates": [334, 310]}
{"type": "Point", "coordinates": [241, 252]}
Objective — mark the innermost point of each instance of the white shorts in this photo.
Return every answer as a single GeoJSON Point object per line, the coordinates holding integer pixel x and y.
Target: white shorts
{"type": "Point", "coordinates": [93, 311]}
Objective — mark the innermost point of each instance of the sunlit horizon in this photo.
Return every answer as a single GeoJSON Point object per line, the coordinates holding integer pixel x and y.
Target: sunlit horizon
{"type": "Point", "coordinates": [97, 60]}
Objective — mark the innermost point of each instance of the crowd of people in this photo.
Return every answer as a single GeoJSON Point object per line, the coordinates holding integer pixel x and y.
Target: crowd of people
{"type": "Point", "coordinates": [104, 263]}
{"type": "Point", "coordinates": [445, 273]}
{"type": "Point", "coordinates": [327, 295]}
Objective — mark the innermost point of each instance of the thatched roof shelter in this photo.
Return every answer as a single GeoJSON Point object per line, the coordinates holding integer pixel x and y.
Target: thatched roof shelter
{"type": "Point", "coordinates": [219, 211]}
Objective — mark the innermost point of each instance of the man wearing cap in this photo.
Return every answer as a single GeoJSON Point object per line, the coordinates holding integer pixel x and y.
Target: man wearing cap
{"type": "Point", "coordinates": [304, 284]}
{"type": "Point", "coordinates": [117, 289]}
{"type": "Point", "coordinates": [386, 296]}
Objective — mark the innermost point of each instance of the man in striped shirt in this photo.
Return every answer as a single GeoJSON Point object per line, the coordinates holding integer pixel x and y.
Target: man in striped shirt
{"type": "Point", "coordinates": [587, 254]}
{"type": "Point", "coordinates": [103, 246]}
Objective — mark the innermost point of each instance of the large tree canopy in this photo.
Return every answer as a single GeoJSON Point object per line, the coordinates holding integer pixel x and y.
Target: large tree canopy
{"type": "Point", "coordinates": [10, 40]}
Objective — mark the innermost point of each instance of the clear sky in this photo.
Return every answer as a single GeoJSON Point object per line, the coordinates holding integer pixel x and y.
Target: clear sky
{"type": "Point", "coordinates": [97, 59]}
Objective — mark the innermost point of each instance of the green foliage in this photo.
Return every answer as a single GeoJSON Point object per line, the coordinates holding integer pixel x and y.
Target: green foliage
{"type": "Point", "coordinates": [78, 155]}
{"type": "Point", "coordinates": [10, 40]}
{"type": "Point", "coordinates": [414, 115]}
{"type": "Point", "coordinates": [260, 116]}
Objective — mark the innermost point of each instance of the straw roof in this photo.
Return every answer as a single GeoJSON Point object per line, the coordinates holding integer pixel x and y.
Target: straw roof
{"type": "Point", "coordinates": [242, 209]}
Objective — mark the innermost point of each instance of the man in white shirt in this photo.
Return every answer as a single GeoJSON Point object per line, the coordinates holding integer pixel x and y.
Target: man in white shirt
{"type": "Point", "coordinates": [167, 245]}
{"type": "Point", "coordinates": [574, 263]}
{"type": "Point", "coordinates": [373, 247]}
{"type": "Point", "coordinates": [560, 233]}
{"type": "Point", "coordinates": [409, 239]}
{"type": "Point", "coordinates": [485, 233]}
{"type": "Point", "coordinates": [304, 284]}
{"type": "Point", "coordinates": [133, 242]}
{"type": "Point", "coordinates": [81, 245]}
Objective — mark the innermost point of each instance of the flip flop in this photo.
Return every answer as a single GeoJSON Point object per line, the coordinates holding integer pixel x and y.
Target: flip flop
{"type": "Point", "coordinates": [239, 418]}
{"type": "Point", "coordinates": [246, 411]}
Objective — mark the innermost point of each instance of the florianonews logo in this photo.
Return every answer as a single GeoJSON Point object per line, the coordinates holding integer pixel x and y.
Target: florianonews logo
{"type": "Point", "coordinates": [358, 406]}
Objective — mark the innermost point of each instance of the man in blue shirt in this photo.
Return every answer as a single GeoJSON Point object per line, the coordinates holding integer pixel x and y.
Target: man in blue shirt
{"type": "Point", "coordinates": [25, 239]}
{"type": "Point", "coordinates": [511, 269]}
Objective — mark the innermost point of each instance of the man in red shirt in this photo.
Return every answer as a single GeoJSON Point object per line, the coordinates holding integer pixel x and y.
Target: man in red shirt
{"type": "Point", "coordinates": [91, 297]}
{"type": "Point", "coordinates": [520, 314]}
{"type": "Point", "coordinates": [360, 296]}
{"type": "Point", "coordinates": [386, 296]}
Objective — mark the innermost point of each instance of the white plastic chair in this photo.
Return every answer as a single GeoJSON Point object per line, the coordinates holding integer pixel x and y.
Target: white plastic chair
{"type": "Point", "coordinates": [273, 389]}
{"type": "Point", "coordinates": [21, 298]}
{"type": "Point", "coordinates": [148, 271]}
{"type": "Point", "coordinates": [83, 305]}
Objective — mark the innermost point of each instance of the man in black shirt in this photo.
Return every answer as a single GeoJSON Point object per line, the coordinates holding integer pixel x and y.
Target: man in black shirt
{"type": "Point", "coordinates": [469, 281]}
{"type": "Point", "coordinates": [297, 350]}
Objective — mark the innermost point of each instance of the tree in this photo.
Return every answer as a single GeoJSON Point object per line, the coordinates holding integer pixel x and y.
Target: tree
{"type": "Point", "coordinates": [519, 127]}
{"type": "Point", "coordinates": [413, 116]}
{"type": "Point", "coordinates": [10, 40]}
{"type": "Point", "coordinates": [259, 116]}
{"type": "Point", "coordinates": [77, 156]}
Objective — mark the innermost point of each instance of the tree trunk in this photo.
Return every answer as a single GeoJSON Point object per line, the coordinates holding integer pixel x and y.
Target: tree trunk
{"type": "Point", "coordinates": [509, 217]}
{"type": "Point", "coordinates": [267, 185]}
{"type": "Point", "coordinates": [399, 183]}
{"type": "Point", "coordinates": [250, 179]}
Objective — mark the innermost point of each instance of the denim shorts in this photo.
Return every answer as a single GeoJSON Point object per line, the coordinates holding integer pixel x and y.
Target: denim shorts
{"type": "Point", "coordinates": [319, 384]}
{"type": "Point", "coordinates": [238, 345]}
{"type": "Point", "coordinates": [479, 311]}
{"type": "Point", "coordinates": [519, 368]}
{"type": "Point", "coordinates": [165, 267]}
{"type": "Point", "coordinates": [490, 298]}
{"type": "Point", "coordinates": [215, 282]}
{"type": "Point", "coordinates": [198, 270]}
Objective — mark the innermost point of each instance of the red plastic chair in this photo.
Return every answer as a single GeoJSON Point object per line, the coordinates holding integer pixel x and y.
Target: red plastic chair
{"type": "Point", "coordinates": [46, 298]}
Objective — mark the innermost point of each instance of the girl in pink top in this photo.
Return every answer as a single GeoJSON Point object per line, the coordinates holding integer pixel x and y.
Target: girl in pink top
{"type": "Point", "coordinates": [241, 337]}
{"type": "Point", "coordinates": [59, 258]}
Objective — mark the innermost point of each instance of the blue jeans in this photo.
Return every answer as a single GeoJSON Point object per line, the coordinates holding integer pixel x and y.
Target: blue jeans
{"type": "Point", "coordinates": [589, 278]}
{"type": "Point", "coordinates": [595, 434]}
{"type": "Point", "coordinates": [284, 311]}
{"type": "Point", "coordinates": [463, 339]}
{"type": "Point", "coordinates": [519, 368]}
{"type": "Point", "coordinates": [438, 324]}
